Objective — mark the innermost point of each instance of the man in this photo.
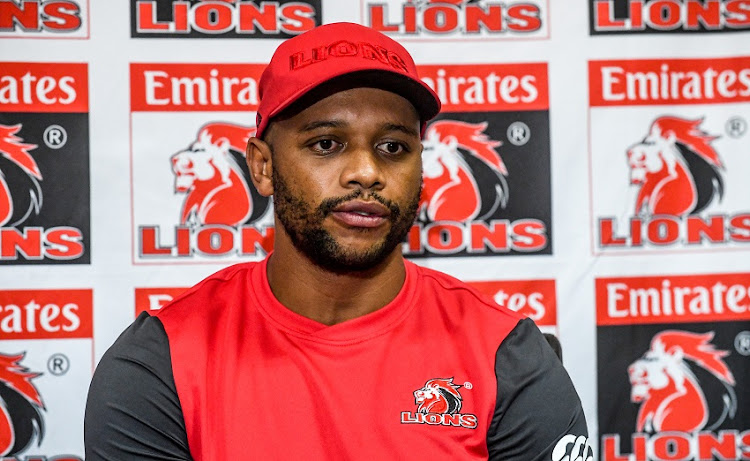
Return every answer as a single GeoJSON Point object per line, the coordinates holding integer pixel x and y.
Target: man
{"type": "Point", "coordinates": [335, 347]}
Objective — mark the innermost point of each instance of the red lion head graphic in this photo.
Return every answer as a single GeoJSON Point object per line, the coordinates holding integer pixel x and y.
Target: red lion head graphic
{"type": "Point", "coordinates": [212, 174]}
{"type": "Point", "coordinates": [20, 407]}
{"type": "Point", "coordinates": [675, 167]}
{"type": "Point", "coordinates": [455, 154]}
{"type": "Point", "coordinates": [438, 395]}
{"type": "Point", "coordinates": [18, 173]}
{"type": "Point", "coordinates": [668, 390]}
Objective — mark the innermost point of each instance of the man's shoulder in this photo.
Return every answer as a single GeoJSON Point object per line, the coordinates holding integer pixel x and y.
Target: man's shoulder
{"type": "Point", "coordinates": [213, 292]}
{"type": "Point", "coordinates": [453, 291]}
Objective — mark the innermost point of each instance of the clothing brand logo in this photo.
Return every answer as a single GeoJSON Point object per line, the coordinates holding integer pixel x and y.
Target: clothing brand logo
{"type": "Point", "coordinates": [20, 407]}
{"type": "Point", "coordinates": [345, 49]}
{"type": "Point", "coordinates": [573, 448]}
{"type": "Point", "coordinates": [438, 403]}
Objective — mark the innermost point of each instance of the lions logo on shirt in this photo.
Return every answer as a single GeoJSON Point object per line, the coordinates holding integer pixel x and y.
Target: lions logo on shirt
{"type": "Point", "coordinates": [438, 403]}
{"type": "Point", "coordinates": [438, 396]}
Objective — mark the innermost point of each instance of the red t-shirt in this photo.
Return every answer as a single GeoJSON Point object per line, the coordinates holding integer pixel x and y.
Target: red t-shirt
{"type": "Point", "coordinates": [439, 371]}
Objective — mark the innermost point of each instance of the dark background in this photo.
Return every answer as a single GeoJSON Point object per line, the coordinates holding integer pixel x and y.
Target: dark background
{"type": "Point", "coordinates": [620, 346]}
{"type": "Point", "coordinates": [529, 193]}
{"type": "Point", "coordinates": [65, 176]}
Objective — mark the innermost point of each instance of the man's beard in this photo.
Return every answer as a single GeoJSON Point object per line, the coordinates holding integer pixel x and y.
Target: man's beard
{"type": "Point", "coordinates": [304, 224]}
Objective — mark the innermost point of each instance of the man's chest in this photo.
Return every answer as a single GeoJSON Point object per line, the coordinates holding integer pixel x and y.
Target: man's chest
{"type": "Point", "coordinates": [402, 396]}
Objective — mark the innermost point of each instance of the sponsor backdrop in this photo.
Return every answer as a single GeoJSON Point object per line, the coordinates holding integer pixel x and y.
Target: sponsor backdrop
{"type": "Point", "coordinates": [589, 169]}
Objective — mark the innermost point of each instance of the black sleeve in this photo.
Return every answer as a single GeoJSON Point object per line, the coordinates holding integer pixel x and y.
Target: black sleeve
{"type": "Point", "coordinates": [132, 411]}
{"type": "Point", "coordinates": [538, 415]}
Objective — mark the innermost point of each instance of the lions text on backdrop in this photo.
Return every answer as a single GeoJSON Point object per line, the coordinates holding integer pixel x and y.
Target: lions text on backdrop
{"type": "Point", "coordinates": [678, 177]}
{"type": "Point", "coordinates": [35, 19]}
{"type": "Point", "coordinates": [668, 16]}
{"type": "Point", "coordinates": [495, 118]}
{"type": "Point", "coordinates": [44, 160]}
{"type": "Point", "coordinates": [46, 362]}
{"type": "Point", "coordinates": [458, 19]}
{"type": "Point", "coordinates": [686, 343]}
{"type": "Point", "coordinates": [216, 19]}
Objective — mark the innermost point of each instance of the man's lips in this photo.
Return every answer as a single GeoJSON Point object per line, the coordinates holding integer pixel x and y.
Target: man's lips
{"type": "Point", "coordinates": [361, 214]}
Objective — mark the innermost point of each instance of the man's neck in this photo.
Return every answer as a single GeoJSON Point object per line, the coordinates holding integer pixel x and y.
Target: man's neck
{"type": "Point", "coordinates": [327, 297]}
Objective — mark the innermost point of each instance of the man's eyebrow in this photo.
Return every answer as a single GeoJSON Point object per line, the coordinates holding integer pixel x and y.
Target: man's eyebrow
{"type": "Point", "coordinates": [323, 124]}
{"type": "Point", "coordinates": [402, 128]}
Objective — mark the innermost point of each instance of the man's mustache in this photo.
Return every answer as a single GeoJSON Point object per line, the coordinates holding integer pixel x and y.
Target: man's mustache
{"type": "Point", "coordinates": [327, 206]}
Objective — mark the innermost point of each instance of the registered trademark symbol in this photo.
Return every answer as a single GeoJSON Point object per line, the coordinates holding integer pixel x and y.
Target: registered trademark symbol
{"type": "Point", "coordinates": [518, 133]}
{"type": "Point", "coordinates": [736, 127]}
{"type": "Point", "coordinates": [55, 136]}
{"type": "Point", "coordinates": [468, 385]}
{"type": "Point", "coordinates": [58, 364]}
{"type": "Point", "coordinates": [742, 343]}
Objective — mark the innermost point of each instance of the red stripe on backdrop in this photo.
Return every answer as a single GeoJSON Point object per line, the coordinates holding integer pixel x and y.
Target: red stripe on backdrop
{"type": "Point", "coordinates": [188, 87]}
{"type": "Point", "coordinates": [153, 299]}
{"type": "Point", "coordinates": [645, 82]}
{"type": "Point", "coordinates": [44, 87]}
{"type": "Point", "coordinates": [46, 314]}
{"type": "Point", "coordinates": [673, 299]}
{"type": "Point", "coordinates": [535, 299]}
{"type": "Point", "coordinates": [489, 87]}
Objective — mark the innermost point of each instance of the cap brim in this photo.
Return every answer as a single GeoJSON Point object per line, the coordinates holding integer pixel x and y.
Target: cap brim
{"type": "Point", "coordinates": [424, 99]}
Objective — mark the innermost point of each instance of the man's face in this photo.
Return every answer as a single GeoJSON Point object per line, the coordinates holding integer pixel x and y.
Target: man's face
{"type": "Point", "coordinates": [347, 177]}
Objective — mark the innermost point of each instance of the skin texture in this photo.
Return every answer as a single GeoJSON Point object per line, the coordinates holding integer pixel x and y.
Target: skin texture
{"type": "Point", "coordinates": [357, 146]}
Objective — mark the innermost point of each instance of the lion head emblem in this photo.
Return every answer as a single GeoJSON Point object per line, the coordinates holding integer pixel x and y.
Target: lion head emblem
{"type": "Point", "coordinates": [675, 167]}
{"type": "Point", "coordinates": [438, 395]}
{"type": "Point", "coordinates": [19, 173]}
{"type": "Point", "coordinates": [212, 174]}
{"type": "Point", "coordinates": [20, 407]}
{"type": "Point", "coordinates": [665, 385]}
{"type": "Point", "coordinates": [455, 154]}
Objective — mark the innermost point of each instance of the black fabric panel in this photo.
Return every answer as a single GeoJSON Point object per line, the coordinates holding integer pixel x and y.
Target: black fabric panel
{"type": "Point", "coordinates": [133, 411]}
{"type": "Point", "coordinates": [537, 405]}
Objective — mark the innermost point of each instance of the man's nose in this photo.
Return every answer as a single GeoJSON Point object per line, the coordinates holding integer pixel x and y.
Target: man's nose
{"type": "Point", "coordinates": [363, 167]}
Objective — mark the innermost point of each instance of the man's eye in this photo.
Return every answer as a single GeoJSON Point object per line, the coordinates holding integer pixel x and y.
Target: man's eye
{"type": "Point", "coordinates": [392, 148]}
{"type": "Point", "coordinates": [325, 145]}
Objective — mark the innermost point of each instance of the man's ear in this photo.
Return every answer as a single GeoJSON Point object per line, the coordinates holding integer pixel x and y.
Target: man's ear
{"type": "Point", "coordinates": [260, 164]}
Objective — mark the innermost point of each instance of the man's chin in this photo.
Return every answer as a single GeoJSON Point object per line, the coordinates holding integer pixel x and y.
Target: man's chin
{"type": "Point", "coordinates": [353, 261]}
{"type": "Point", "coordinates": [347, 258]}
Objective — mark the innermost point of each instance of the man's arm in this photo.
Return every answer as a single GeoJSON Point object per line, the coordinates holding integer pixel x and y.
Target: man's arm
{"type": "Point", "coordinates": [133, 411]}
{"type": "Point", "coordinates": [538, 415]}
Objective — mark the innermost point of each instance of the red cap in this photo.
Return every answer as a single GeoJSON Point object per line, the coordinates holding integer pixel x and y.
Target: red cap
{"type": "Point", "coordinates": [335, 50]}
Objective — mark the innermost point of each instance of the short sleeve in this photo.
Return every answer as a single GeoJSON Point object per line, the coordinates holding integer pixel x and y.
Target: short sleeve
{"type": "Point", "coordinates": [133, 411]}
{"type": "Point", "coordinates": [538, 415]}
